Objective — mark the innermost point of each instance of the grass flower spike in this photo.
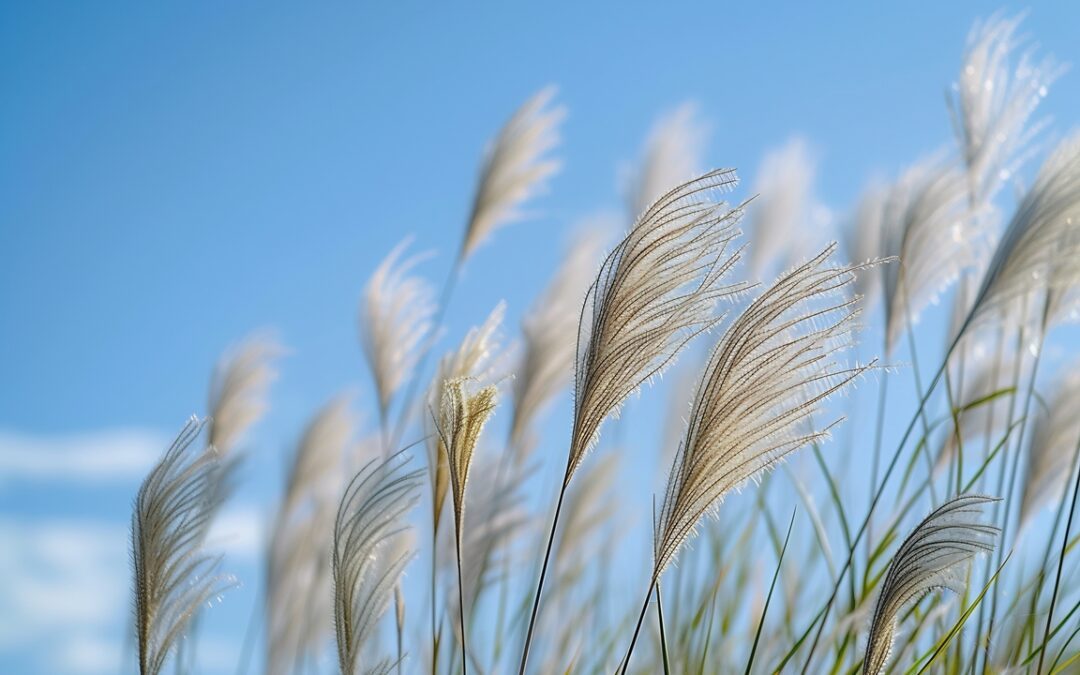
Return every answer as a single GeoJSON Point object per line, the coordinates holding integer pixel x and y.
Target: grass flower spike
{"type": "Point", "coordinates": [932, 557]}
{"type": "Point", "coordinates": [173, 577]}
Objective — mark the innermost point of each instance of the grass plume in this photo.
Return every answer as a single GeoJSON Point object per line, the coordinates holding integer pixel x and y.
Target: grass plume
{"type": "Point", "coordinates": [173, 578]}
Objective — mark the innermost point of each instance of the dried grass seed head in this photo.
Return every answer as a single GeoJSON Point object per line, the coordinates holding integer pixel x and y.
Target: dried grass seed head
{"type": "Point", "coordinates": [654, 292]}
{"type": "Point", "coordinates": [173, 577]}
{"type": "Point", "coordinates": [367, 562]}
{"type": "Point", "coordinates": [239, 390]}
{"type": "Point", "coordinates": [515, 168]}
{"type": "Point", "coordinates": [765, 381]}
{"type": "Point", "coordinates": [671, 156]}
{"type": "Point", "coordinates": [932, 557]}
{"type": "Point", "coordinates": [396, 321]}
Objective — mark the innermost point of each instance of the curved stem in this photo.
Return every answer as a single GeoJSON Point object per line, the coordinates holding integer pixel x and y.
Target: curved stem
{"type": "Point", "coordinates": [1013, 473]}
{"type": "Point", "coordinates": [637, 628]}
{"type": "Point", "coordinates": [540, 583]}
{"type": "Point", "coordinates": [1061, 563]}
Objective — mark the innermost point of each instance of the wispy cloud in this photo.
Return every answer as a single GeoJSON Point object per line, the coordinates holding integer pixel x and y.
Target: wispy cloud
{"type": "Point", "coordinates": [95, 456]}
{"type": "Point", "coordinates": [238, 532]}
{"type": "Point", "coordinates": [63, 590]}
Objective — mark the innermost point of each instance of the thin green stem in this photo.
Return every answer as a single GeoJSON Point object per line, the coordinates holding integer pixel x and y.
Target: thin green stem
{"type": "Point", "coordinates": [663, 633]}
{"type": "Point", "coordinates": [543, 575]}
{"type": "Point", "coordinates": [879, 492]}
{"type": "Point", "coordinates": [1061, 563]}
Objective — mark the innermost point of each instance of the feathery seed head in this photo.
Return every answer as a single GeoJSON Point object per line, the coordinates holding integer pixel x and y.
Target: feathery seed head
{"type": "Point", "coordinates": [173, 578]}
{"type": "Point", "coordinates": [785, 211]}
{"type": "Point", "coordinates": [1041, 246]}
{"type": "Point", "coordinates": [515, 168]}
{"type": "Point", "coordinates": [369, 554]}
{"type": "Point", "coordinates": [476, 358]}
{"type": "Point", "coordinates": [298, 586]}
{"type": "Point", "coordinates": [672, 156]}
{"type": "Point", "coordinates": [396, 321]}
{"type": "Point", "coordinates": [547, 362]}
{"type": "Point", "coordinates": [1053, 446]}
{"type": "Point", "coordinates": [992, 102]}
{"type": "Point", "coordinates": [461, 419]}
{"type": "Point", "coordinates": [930, 231]}
{"type": "Point", "coordinates": [239, 390]}
{"type": "Point", "coordinates": [765, 381]}
{"type": "Point", "coordinates": [933, 556]}
{"type": "Point", "coordinates": [654, 292]}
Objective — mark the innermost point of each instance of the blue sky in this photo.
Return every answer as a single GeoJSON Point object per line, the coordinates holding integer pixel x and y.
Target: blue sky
{"type": "Point", "coordinates": [175, 177]}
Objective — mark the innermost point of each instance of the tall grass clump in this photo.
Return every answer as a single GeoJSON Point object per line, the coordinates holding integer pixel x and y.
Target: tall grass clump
{"type": "Point", "coordinates": [505, 547]}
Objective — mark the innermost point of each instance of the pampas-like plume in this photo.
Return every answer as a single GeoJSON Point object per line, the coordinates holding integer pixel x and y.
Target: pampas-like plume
{"type": "Point", "coordinates": [765, 380]}
{"type": "Point", "coordinates": [461, 419]}
{"type": "Point", "coordinates": [932, 234]}
{"type": "Point", "coordinates": [654, 293]}
{"type": "Point", "coordinates": [298, 589]}
{"type": "Point", "coordinates": [475, 358]}
{"type": "Point", "coordinates": [547, 361]}
{"type": "Point", "coordinates": [866, 239]}
{"type": "Point", "coordinates": [932, 557]}
{"type": "Point", "coordinates": [992, 103]}
{"type": "Point", "coordinates": [396, 322]}
{"type": "Point", "coordinates": [1041, 245]}
{"type": "Point", "coordinates": [514, 168]}
{"type": "Point", "coordinates": [785, 210]}
{"type": "Point", "coordinates": [366, 562]}
{"type": "Point", "coordinates": [1053, 446]}
{"type": "Point", "coordinates": [672, 155]}
{"type": "Point", "coordinates": [238, 390]}
{"type": "Point", "coordinates": [173, 577]}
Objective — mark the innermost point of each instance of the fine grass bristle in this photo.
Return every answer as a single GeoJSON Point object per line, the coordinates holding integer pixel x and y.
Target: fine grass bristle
{"type": "Point", "coordinates": [173, 577]}
{"type": "Point", "coordinates": [930, 558]}
{"type": "Point", "coordinates": [370, 552]}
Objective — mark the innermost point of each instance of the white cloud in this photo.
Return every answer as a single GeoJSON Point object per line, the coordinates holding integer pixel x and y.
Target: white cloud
{"type": "Point", "coordinates": [238, 532]}
{"type": "Point", "coordinates": [113, 454]}
{"type": "Point", "coordinates": [64, 591]}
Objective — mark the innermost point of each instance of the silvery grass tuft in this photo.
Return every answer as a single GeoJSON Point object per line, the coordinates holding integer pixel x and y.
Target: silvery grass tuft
{"type": "Point", "coordinates": [933, 556]}
{"type": "Point", "coordinates": [239, 390]}
{"type": "Point", "coordinates": [477, 358]}
{"type": "Point", "coordinates": [396, 322]}
{"type": "Point", "coordinates": [654, 293]}
{"type": "Point", "coordinates": [461, 419]}
{"type": "Point", "coordinates": [298, 588]}
{"type": "Point", "coordinates": [671, 156]}
{"type": "Point", "coordinates": [765, 381]}
{"type": "Point", "coordinates": [992, 103]}
{"type": "Point", "coordinates": [1053, 446]}
{"type": "Point", "coordinates": [515, 168]}
{"type": "Point", "coordinates": [785, 211]}
{"type": "Point", "coordinates": [547, 359]}
{"type": "Point", "coordinates": [173, 577]}
{"type": "Point", "coordinates": [865, 240]}
{"type": "Point", "coordinates": [1041, 246]}
{"type": "Point", "coordinates": [930, 231]}
{"type": "Point", "coordinates": [369, 555]}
